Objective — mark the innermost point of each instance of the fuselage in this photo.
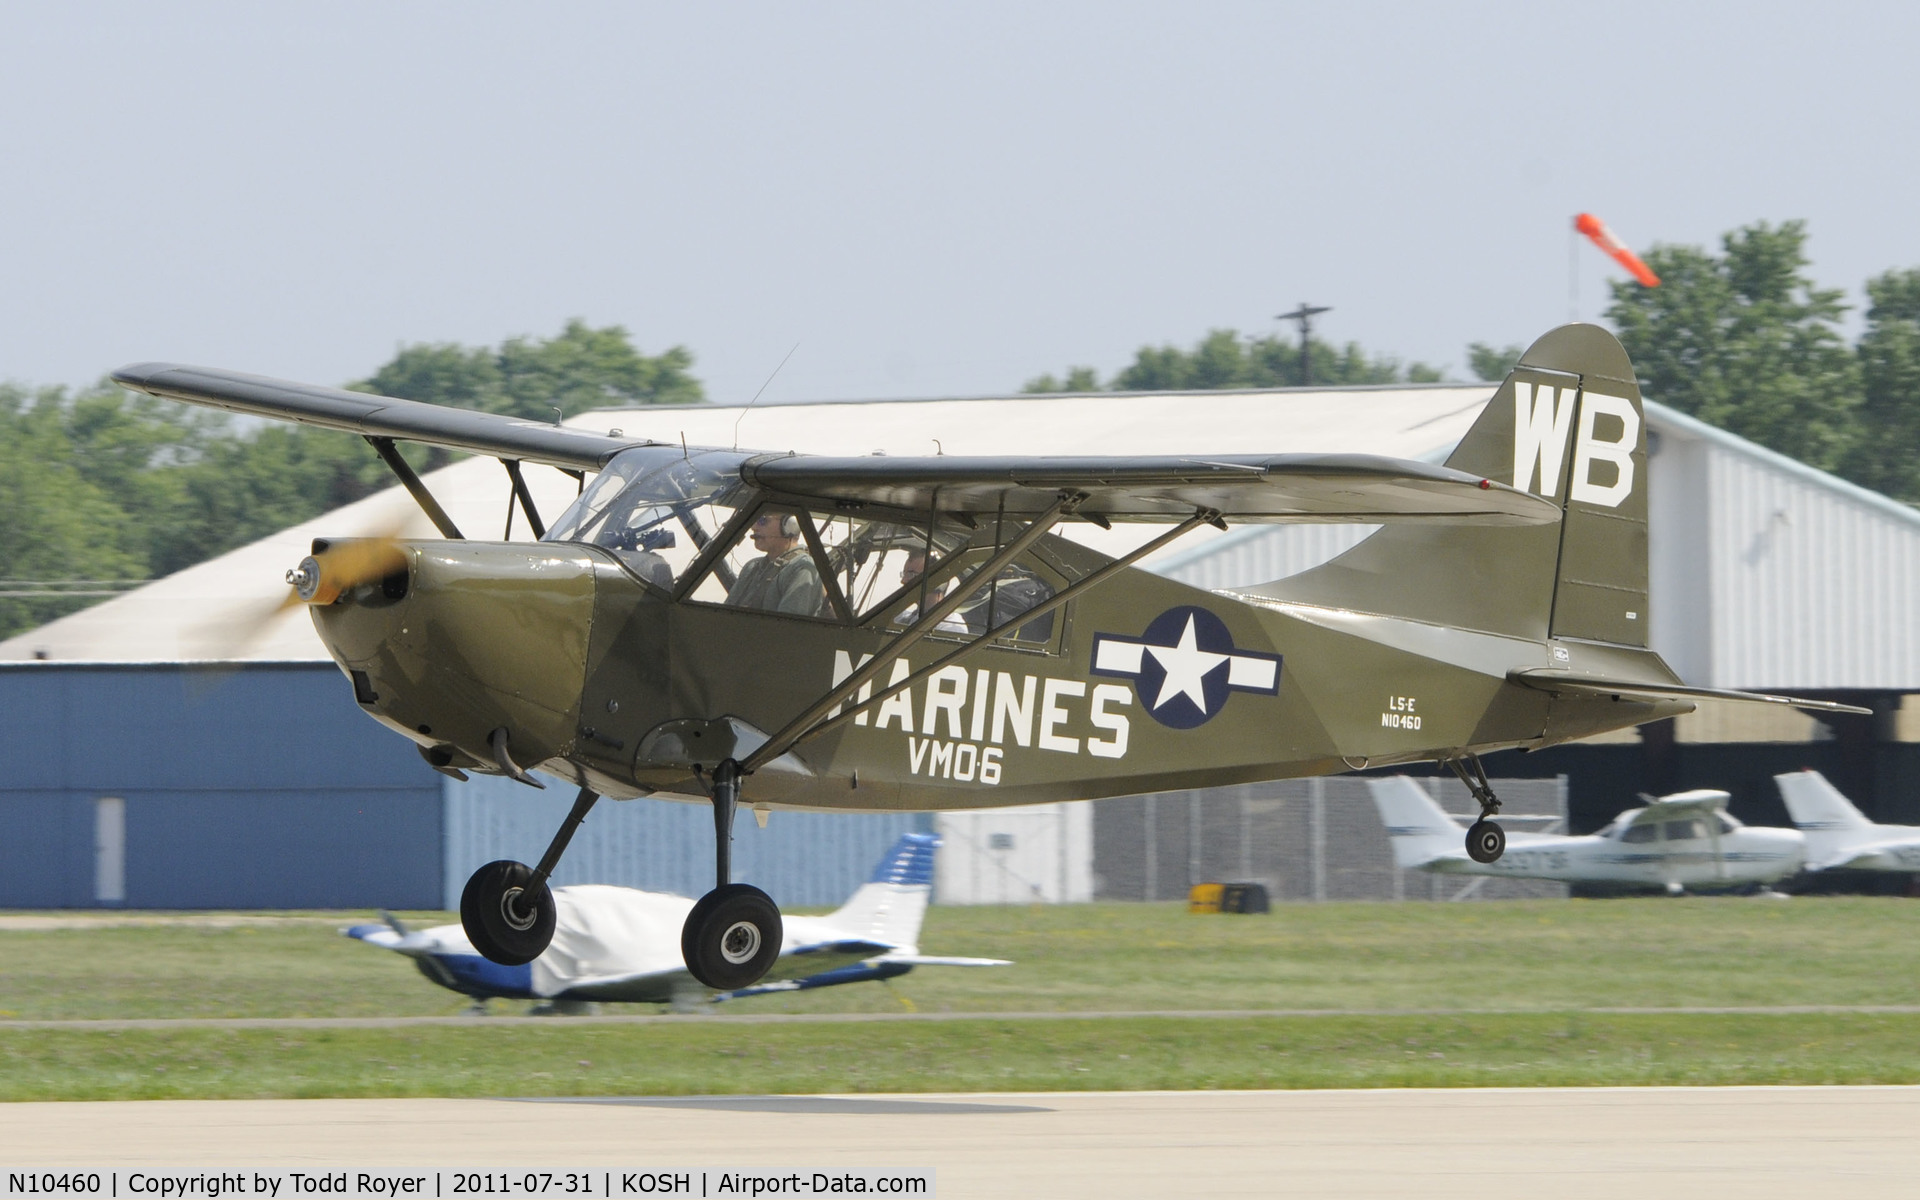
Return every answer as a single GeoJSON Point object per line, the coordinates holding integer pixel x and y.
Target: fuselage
{"type": "Point", "coordinates": [1142, 684]}
{"type": "Point", "coordinates": [1693, 858]}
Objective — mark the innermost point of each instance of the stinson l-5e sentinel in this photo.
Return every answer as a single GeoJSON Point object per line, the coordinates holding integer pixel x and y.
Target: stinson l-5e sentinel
{"type": "Point", "coordinates": [796, 631]}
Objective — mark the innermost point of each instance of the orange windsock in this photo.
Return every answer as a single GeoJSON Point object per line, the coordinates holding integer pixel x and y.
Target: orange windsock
{"type": "Point", "coordinates": [1597, 230]}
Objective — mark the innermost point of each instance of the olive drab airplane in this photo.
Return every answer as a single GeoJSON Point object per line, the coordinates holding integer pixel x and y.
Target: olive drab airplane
{"type": "Point", "coordinates": [809, 632]}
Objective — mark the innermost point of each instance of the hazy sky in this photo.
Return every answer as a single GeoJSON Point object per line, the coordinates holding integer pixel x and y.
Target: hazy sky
{"type": "Point", "coordinates": [930, 199]}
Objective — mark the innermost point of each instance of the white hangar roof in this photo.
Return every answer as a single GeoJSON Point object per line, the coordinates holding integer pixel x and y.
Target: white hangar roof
{"type": "Point", "coordinates": [1765, 572]}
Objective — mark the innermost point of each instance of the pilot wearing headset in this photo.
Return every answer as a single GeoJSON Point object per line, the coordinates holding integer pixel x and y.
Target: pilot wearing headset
{"type": "Point", "coordinates": [784, 578]}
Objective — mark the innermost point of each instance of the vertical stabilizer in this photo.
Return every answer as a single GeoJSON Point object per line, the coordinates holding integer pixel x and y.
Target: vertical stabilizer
{"type": "Point", "coordinates": [890, 906]}
{"type": "Point", "coordinates": [1418, 827]}
{"type": "Point", "coordinates": [1829, 819]}
{"type": "Point", "coordinates": [1566, 424]}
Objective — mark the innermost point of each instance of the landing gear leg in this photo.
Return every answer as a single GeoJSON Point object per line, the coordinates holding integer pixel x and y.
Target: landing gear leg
{"type": "Point", "coordinates": [734, 932]}
{"type": "Point", "coordinates": [1486, 841]}
{"type": "Point", "coordinates": [507, 909]}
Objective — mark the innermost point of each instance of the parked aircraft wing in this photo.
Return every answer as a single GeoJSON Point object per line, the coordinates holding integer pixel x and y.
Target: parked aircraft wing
{"type": "Point", "coordinates": [1559, 682]}
{"type": "Point", "coordinates": [1247, 488]}
{"type": "Point", "coordinates": [1698, 803]}
{"type": "Point", "coordinates": [375, 416]}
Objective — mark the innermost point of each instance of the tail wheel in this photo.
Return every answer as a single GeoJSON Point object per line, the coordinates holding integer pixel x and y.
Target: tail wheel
{"type": "Point", "coordinates": [1486, 842]}
{"type": "Point", "coordinates": [507, 921]}
{"type": "Point", "coordinates": [731, 937]}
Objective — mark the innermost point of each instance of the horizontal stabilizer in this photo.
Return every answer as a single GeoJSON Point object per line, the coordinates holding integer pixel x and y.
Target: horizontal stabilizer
{"type": "Point", "coordinates": [936, 960]}
{"type": "Point", "coordinates": [1563, 683]}
{"type": "Point", "coordinates": [861, 973]}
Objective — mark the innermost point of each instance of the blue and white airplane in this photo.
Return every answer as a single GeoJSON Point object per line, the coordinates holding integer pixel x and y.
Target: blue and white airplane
{"type": "Point", "coordinates": [1839, 835]}
{"type": "Point", "coordinates": [623, 944]}
{"type": "Point", "coordinates": [1686, 840]}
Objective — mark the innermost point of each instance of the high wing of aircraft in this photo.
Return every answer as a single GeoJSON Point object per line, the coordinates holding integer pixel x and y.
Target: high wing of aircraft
{"type": "Point", "coordinates": [792, 631]}
{"type": "Point", "coordinates": [1676, 842]}
{"type": "Point", "coordinates": [1840, 835]}
{"type": "Point", "coordinates": [623, 944]}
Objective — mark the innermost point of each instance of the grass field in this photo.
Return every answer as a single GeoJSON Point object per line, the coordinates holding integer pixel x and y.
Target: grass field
{"type": "Point", "coordinates": [1414, 994]}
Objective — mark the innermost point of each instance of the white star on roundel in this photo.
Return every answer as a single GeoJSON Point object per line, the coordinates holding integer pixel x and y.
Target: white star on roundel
{"type": "Point", "coordinates": [1187, 667]}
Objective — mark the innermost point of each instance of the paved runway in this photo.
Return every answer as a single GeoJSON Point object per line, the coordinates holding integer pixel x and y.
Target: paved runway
{"type": "Point", "coordinates": [1484, 1144]}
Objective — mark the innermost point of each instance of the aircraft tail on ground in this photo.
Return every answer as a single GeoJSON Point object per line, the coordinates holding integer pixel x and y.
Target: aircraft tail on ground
{"type": "Point", "coordinates": [1566, 424]}
{"type": "Point", "coordinates": [890, 906]}
{"type": "Point", "coordinates": [1418, 827]}
{"type": "Point", "coordinates": [1829, 819]}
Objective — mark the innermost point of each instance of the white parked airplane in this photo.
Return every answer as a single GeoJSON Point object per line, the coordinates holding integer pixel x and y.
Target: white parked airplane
{"type": "Point", "coordinates": [622, 944]}
{"type": "Point", "coordinates": [1839, 835]}
{"type": "Point", "coordinates": [1681, 841]}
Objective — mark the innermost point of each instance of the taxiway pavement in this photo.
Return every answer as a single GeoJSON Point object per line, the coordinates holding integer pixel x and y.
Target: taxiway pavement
{"type": "Point", "coordinates": [1479, 1143]}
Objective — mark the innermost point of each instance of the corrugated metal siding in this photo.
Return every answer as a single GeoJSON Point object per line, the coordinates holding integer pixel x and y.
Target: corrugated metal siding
{"type": "Point", "coordinates": [800, 859]}
{"type": "Point", "coordinates": [1810, 590]}
{"type": "Point", "coordinates": [1034, 854]}
{"type": "Point", "coordinates": [259, 787]}
{"type": "Point", "coordinates": [1261, 554]}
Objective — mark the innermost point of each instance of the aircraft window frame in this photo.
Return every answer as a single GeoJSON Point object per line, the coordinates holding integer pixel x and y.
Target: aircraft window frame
{"type": "Point", "coordinates": [1691, 829]}
{"type": "Point", "coordinates": [660, 488]}
{"type": "Point", "coordinates": [884, 537]}
{"type": "Point", "coordinates": [715, 563]}
{"type": "Point", "coordinates": [1651, 834]}
{"type": "Point", "coordinates": [958, 569]}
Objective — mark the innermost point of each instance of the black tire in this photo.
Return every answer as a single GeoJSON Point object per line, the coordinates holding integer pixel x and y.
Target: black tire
{"type": "Point", "coordinates": [731, 937]}
{"type": "Point", "coordinates": [1486, 842]}
{"type": "Point", "coordinates": [506, 922]}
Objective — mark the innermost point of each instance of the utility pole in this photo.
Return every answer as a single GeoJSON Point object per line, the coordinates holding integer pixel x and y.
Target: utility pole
{"type": "Point", "coordinates": [1305, 315]}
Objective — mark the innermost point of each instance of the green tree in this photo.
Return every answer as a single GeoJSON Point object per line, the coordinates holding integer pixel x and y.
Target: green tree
{"type": "Point", "coordinates": [60, 531]}
{"type": "Point", "coordinates": [1745, 341]}
{"type": "Point", "coordinates": [1077, 379]}
{"type": "Point", "coordinates": [1227, 359]}
{"type": "Point", "coordinates": [541, 379]}
{"type": "Point", "coordinates": [107, 485]}
{"type": "Point", "coordinates": [1886, 457]}
{"type": "Point", "coordinates": [1492, 362]}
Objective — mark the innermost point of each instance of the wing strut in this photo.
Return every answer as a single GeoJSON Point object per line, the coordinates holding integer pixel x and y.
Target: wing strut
{"type": "Point", "coordinates": [783, 741]}
{"type": "Point", "coordinates": [525, 497]}
{"type": "Point", "coordinates": [805, 727]}
{"type": "Point", "coordinates": [383, 446]}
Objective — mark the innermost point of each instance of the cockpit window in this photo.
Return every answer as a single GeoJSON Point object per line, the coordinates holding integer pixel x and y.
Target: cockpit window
{"type": "Point", "coordinates": [656, 508]}
{"type": "Point", "coordinates": [1648, 832]}
{"type": "Point", "coordinates": [1680, 831]}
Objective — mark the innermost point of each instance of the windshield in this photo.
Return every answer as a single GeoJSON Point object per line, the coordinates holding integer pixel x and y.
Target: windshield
{"type": "Point", "coordinates": [656, 507]}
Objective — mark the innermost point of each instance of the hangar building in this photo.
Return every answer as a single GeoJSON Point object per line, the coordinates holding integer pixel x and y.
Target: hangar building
{"type": "Point", "coordinates": [187, 745]}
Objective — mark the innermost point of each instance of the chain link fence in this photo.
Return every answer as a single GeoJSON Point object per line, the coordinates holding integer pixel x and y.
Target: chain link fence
{"type": "Point", "coordinates": [1303, 839]}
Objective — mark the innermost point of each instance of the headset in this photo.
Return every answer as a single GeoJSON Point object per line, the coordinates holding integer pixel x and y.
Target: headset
{"type": "Point", "coordinates": [789, 525]}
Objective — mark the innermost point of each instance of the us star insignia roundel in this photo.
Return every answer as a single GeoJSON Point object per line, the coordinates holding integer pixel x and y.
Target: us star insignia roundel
{"type": "Point", "coordinates": [1185, 665]}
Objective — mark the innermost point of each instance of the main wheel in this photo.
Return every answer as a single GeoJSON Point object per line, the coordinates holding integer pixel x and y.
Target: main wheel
{"type": "Point", "coordinates": [731, 937]}
{"type": "Point", "coordinates": [1486, 842]}
{"type": "Point", "coordinates": [507, 921]}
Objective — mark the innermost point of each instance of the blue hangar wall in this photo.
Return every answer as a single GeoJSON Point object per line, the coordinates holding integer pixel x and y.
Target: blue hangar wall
{"type": "Point", "coordinates": [263, 786]}
{"type": "Point", "coordinates": [260, 786]}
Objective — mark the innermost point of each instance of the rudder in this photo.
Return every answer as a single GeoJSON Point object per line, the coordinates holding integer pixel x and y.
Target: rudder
{"type": "Point", "coordinates": [1568, 424]}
